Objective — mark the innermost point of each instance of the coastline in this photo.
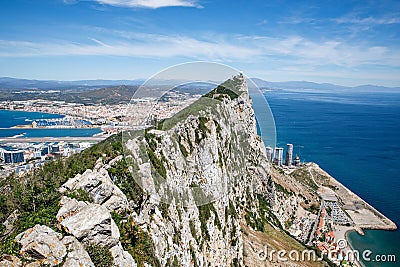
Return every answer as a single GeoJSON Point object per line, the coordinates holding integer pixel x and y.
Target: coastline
{"type": "Point", "coordinates": [363, 214]}
{"type": "Point", "coordinates": [351, 247]}
{"type": "Point", "coordinates": [28, 126]}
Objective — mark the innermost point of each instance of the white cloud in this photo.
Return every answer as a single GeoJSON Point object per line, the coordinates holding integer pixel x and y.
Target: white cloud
{"type": "Point", "coordinates": [149, 3]}
{"type": "Point", "coordinates": [294, 50]}
{"type": "Point", "coordinates": [288, 51]}
{"type": "Point", "coordinates": [393, 19]}
{"type": "Point", "coordinates": [291, 56]}
{"type": "Point", "coordinates": [145, 45]}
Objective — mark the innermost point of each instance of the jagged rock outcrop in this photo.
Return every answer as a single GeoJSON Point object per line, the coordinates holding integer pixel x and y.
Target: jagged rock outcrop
{"type": "Point", "coordinates": [9, 222]}
{"type": "Point", "coordinates": [77, 255]}
{"type": "Point", "coordinates": [88, 222]}
{"type": "Point", "coordinates": [121, 257]}
{"type": "Point", "coordinates": [10, 261]}
{"type": "Point", "coordinates": [100, 187]}
{"type": "Point", "coordinates": [91, 224]}
{"type": "Point", "coordinates": [42, 243]}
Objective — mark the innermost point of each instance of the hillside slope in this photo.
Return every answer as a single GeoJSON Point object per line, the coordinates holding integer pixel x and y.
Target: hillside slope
{"type": "Point", "coordinates": [206, 194]}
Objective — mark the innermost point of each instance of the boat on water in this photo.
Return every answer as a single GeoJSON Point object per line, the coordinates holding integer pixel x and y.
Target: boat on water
{"type": "Point", "coordinates": [18, 135]}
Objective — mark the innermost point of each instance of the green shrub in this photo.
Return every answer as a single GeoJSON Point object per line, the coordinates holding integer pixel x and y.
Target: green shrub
{"type": "Point", "coordinates": [100, 256]}
{"type": "Point", "coordinates": [193, 230]}
{"type": "Point", "coordinates": [223, 90]}
{"type": "Point", "coordinates": [125, 181]}
{"type": "Point", "coordinates": [137, 242]}
{"type": "Point", "coordinates": [157, 164]}
{"type": "Point", "coordinates": [193, 254]}
{"type": "Point", "coordinates": [80, 195]}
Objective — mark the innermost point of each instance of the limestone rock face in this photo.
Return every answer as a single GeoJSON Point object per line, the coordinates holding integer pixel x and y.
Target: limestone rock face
{"type": "Point", "coordinates": [10, 261]}
{"type": "Point", "coordinates": [77, 255]}
{"type": "Point", "coordinates": [42, 243]}
{"type": "Point", "coordinates": [218, 152]}
{"type": "Point", "coordinates": [8, 223]}
{"type": "Point", "coordinates": [122, 258]}
{"type": "Point", "coordinates": [90, 223]}
{"type": "Point", "coordinates": [100, 187]}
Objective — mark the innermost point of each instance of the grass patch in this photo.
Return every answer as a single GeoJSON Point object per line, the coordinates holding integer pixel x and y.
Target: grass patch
{"type": "Point", "coordinates": [80, 195]}
{"type": "Point", "coordinates": [100, 256]}
{"type": "Point", "coordinates": [126, 182]}
{"type": "Point", "coordinates": [137, 242]}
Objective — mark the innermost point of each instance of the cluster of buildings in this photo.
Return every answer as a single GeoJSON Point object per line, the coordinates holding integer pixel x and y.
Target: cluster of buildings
{"type": "Point", "coordinates": [140, 109]}
{"type": "Point", "coordinates": [111, 117]}
{"type": "Point", "coordinates": [96, 114]}
{"type": "Point", "coordinates": [23, 157]}
{"type": "Point", "coordinates": [11, 155]}
{"type": "Point", "coordinates": [65, 122]}
{"type": "Point", "coordinates": [324, 236]}
{"type": "Point", "coordinates": [301, 228]}
{"type": "Point", "coordinates": [276, 156]}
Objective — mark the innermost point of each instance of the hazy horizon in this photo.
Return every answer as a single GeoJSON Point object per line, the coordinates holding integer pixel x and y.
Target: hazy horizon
{"type": "Point", "coordinates": [347, 43]}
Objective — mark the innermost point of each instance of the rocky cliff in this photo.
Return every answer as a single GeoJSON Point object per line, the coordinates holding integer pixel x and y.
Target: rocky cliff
{"type": "Point", "coordinates": [195, 190]}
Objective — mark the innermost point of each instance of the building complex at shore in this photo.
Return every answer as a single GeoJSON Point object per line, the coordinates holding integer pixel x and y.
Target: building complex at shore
{"type": "Point", "coordinates": [276, 156]}
{"type": "Point", "coordinates": [340, 211]}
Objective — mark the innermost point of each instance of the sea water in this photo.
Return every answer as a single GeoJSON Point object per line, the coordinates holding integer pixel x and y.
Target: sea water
{"type": "Point", "coordinates": [10, 118]}
{"type": "Point", "coordinates": [354, 136]}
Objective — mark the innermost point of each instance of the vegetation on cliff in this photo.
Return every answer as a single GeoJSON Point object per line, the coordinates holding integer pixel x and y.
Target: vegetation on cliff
{"type": "Point", "coordinates": [36, 196]}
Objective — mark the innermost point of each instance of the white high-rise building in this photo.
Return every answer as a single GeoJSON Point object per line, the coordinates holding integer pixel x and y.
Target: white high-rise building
{"type": "Point", "coordinates": [278, 156]}
{"type": "Point", "coordinates": [289, 155]}
{"type": "Point", "coordinates": [270, 153]}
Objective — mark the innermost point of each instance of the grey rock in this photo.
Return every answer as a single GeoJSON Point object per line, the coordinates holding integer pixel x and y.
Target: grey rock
{"type": "Point", "coordinates": [42, 243]}
{"type": "Point", "coordinates": [102, 193]}
{"type": "Point", "coordinates": [9, 222]}
{"type": "Point", "coordinates": [100, 187]}
{"type": "Point", "coordinates": [88, 222]}
{"type": "Point", "coordinates": [77, 255]}
{"type": "Point", "coordinates": [10, 261]}
{"type": "Point", "coordinates": [121, 257]}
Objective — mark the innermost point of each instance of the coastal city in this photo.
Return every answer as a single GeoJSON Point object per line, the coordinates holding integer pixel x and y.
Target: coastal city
{"type": "Point", "coordinates": [105, 116]}
{"type": "Point", "coordinates": [20, 154]}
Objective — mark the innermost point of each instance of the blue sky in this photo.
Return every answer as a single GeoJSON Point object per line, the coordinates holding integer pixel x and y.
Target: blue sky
{"type": "Point", "coordinates": [342, 42]}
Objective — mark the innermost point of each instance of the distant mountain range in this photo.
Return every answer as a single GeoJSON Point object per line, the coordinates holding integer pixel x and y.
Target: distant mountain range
{"type": "Point", "coordinates": [13, 83]}
{"type": "Point", "coordinates": [321, 86]}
